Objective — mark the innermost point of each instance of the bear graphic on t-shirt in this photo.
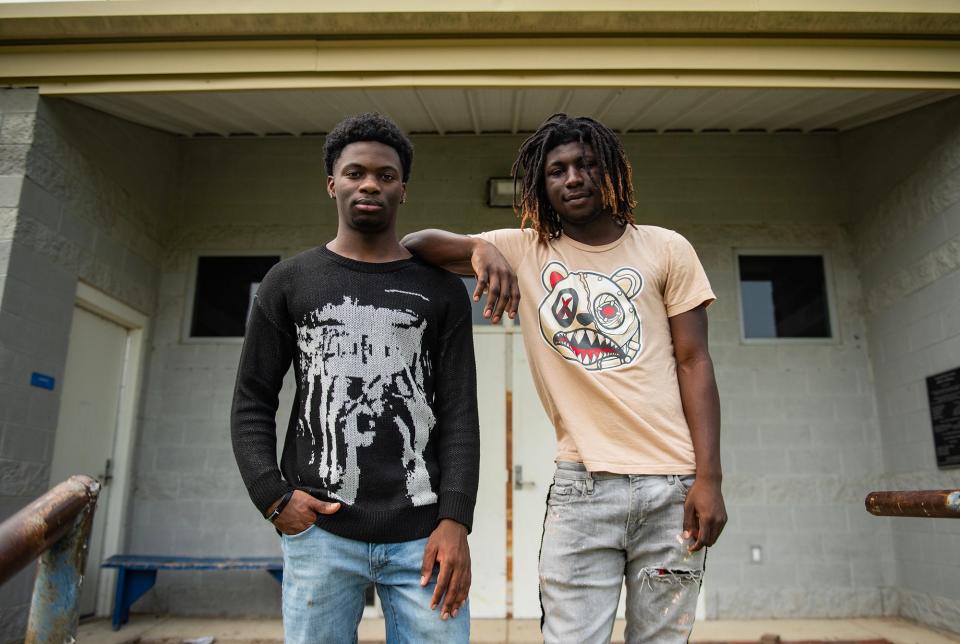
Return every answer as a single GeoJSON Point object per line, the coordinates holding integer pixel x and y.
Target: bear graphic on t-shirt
{"type": "Point", "coordinates": [589, 318]}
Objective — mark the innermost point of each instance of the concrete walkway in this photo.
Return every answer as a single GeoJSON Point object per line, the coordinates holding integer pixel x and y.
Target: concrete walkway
{"type": "Point", "coordinates": [151, 629]}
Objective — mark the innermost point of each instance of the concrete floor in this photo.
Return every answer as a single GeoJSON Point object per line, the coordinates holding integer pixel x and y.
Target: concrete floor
{"type": "Point", "coordinates": [153, 629]}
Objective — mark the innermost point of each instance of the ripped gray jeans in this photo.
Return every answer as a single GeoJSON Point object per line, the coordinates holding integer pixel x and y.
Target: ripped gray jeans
{"type": "Point", "coordinates": [603, 528]}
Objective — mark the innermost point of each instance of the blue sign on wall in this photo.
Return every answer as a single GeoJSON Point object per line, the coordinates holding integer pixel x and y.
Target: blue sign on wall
{"type": "Point", "coordinates": [42, 380]}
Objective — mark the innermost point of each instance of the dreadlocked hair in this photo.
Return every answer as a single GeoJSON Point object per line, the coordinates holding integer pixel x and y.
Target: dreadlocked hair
{"type": "Point", "coordinates": [530, 199]}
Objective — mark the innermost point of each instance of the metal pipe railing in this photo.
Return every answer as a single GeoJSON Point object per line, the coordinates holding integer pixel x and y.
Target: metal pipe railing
{"type": "Point", "coordinates": [941, 504]}
{"type": "Point", "coordinates": [55, 528]}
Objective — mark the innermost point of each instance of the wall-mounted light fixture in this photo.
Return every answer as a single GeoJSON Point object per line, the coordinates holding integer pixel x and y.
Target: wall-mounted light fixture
{"type": "Point", "coordinates": [500, 192]}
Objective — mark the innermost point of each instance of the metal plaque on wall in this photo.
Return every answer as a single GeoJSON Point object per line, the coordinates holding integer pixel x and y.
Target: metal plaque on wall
{"type": "Point", "coordinates": [943, 393]}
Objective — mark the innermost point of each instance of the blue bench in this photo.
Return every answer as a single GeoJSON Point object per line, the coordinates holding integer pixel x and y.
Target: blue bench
{"type": "Point", "coordinates": [136, 574]}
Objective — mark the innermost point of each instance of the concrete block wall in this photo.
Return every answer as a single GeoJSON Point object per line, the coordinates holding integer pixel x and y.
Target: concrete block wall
{"type": "Point", "coordinates": [90, 203]}
{"type": "Point", "coordinates": [801, 444]}
{"type": "Point", "coordinates": [20, 462]}
{"type": "Point", "coordinates": [904, 176]}
{"type": "Point", "coordinates": [804, 436]}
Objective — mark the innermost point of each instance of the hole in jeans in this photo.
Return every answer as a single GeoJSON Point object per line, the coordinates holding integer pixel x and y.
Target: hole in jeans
{"type": "Point", "coordinates": [681, 576]}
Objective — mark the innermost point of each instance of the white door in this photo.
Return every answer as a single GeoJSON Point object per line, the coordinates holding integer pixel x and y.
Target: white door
{"type": "Point", "coordinates": [534, 449]}
{"type": "Point", "coordinates": [488, 542]}
{"type": "Point", "coordinates": [87, 422]}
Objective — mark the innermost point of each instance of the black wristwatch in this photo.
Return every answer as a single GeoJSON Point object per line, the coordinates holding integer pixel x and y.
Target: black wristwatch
{"type": "Point", "coordinates": [280, 506]}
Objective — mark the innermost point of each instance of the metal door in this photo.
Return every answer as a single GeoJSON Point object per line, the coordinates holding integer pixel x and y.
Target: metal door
{"type": "Point", "coordinates": [87, 422]}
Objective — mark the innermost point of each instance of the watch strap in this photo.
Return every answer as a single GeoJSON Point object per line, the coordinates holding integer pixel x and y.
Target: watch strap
{"type": "Point", "coordinates": [280, 506]}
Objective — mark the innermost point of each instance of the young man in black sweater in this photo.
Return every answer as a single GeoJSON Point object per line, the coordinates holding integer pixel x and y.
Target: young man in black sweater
{"type": "Point", "coordinates": [378, 477]}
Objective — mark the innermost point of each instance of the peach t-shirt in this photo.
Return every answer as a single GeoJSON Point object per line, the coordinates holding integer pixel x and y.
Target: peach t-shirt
{"type": "Point", "coordinates": [594, 321]}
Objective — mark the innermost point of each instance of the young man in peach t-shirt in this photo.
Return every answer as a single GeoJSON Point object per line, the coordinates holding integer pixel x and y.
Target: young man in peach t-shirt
{"type": "Point", "coordinates": [614, 321]}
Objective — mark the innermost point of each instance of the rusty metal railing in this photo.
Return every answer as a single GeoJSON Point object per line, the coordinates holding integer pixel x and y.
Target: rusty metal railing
{"type": "Point", "coordinates": [941, 504]}
{"type": "Point", "coordinates": [55, 528]}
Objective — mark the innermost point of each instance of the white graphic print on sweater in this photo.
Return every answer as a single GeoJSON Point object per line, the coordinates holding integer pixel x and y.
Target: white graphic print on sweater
{"type": "Point", "coordinates": [359, 362]}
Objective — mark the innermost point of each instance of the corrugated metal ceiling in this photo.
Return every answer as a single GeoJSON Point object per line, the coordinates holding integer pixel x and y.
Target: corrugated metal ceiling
{"type": "Point", "coordinates": [511, 110]}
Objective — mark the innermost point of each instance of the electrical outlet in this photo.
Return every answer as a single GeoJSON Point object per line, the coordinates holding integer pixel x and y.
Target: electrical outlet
{"type": "Point", "coordinates": [756, 554]}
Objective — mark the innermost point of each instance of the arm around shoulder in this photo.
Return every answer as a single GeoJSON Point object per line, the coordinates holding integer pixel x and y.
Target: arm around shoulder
{"type": "Point", "coordinates": [468, 255]}
{"type": "Point", "coordinates": [444, 249]}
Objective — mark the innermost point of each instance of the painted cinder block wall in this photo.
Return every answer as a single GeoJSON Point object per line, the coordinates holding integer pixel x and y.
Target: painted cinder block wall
{"type": "Point", "coordinates": [19, 471]}
{"type": "Point", "coordinates": [799, 423]}
{"type": "Point", "coordinates": [802, 440]}
{"type": "Point", "coordinates": [91, 198]}
{"type": "Point", "coordinates": [904, 177]}
{"type": "Point", "coordinates": [800, 432]}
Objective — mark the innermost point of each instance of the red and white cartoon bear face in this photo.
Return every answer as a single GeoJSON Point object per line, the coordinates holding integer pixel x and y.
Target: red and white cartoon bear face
{"type": "Point", "coordinates": [590, 318]}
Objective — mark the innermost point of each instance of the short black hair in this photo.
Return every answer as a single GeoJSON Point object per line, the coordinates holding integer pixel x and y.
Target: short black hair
{"type": "Point", "coordinates": [369, 126]}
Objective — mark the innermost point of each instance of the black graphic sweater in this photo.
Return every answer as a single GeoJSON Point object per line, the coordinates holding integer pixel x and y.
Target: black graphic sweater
{"type": "Point", "coordinates": [385, 414]}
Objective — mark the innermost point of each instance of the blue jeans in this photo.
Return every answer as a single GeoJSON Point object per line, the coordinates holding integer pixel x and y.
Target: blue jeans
{"type": "Point", "coordinates": [602, 530]}
{"type": "Point", "coordinates": [325, 578]}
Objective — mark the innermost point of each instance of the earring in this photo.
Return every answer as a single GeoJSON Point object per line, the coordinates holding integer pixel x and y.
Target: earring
{"type": "Point", "coordinates": [333, 196]}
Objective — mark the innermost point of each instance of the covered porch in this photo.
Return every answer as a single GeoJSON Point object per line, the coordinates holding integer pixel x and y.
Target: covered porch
{"type": "Point", "coordinates": [138, 159]}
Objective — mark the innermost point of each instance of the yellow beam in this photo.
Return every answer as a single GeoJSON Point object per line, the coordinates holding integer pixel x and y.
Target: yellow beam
{"type": "Point", "coordinates": [258, 7]}
{"type": "Point", "coordinates": [505, 80]}
{"type": "Point", "coordinates": [226, 19]}
{"type": "Point", "coordinates": [367, 63]}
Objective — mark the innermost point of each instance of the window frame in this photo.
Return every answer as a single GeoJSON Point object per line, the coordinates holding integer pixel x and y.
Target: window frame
{"type": "Point", "coordinates": [828, 284]}
{"type": "Point", "coordinates": [191, 291]}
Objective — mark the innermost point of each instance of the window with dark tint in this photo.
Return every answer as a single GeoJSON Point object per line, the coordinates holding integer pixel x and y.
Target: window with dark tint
{"type": "Point", "coordinates": [223, 294]}
{"type": "Point", "coordinates": [784, 296]}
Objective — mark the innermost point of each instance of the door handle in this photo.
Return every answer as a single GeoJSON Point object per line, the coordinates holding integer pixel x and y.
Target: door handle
{"type": "Point", "coordinates": [518, 482]}
{"type": "Point", "coordinates": [107, 475]}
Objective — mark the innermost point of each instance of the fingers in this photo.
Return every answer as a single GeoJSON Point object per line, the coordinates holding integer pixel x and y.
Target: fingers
{"type": "Point", "coordinates": [718, 527]}
{"type": "Point", "coordinates": [692, 526]}
{"type": "Point", "coordinates": [505, 288]}
{"type": "Point", "coordinates": [514, 301]}
{"type": "Point", "coordinates": [708, 531]}
{"type": "Point", "coordinates": [459, 590]}
{"type": "Point", "coordinates": [448, 604]}
{"type": "Point", "coordinates": [703, 533]}
{"type": "Point", "coordinates": [495, 277]}
{"type": "Point", "coordinates": [503, 295]}
{"type": "Point", "coordinates": [689, 519]}
{"type": "Point", "coordinates": [429, 559]}
{"type": "Point", "coordinates": [481, 287]}
{"type": "Point", "coordinates": [495, 303]}
{"type": "Point", "coordinates": [711, 529]}
{"type": "Point", "coordinates": [323, 507]}
{"type": "Point", "coordinates": [452, 599]}
{"type": "Point", "coordinates": [295, 522]}
{"type": "Point", "coordinates": [443, 581]}
{"type": "Point", "coordinates": [697, 545]}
